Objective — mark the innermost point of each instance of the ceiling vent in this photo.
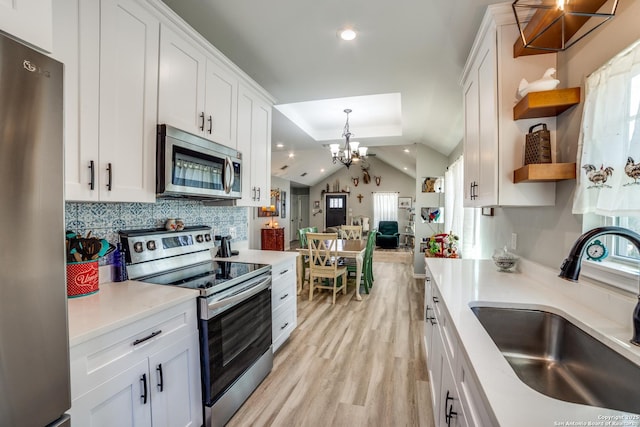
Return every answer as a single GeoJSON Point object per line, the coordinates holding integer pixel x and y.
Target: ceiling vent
{"type": "Point", "coordinates": [303, 174]}
{"type": "Point", "coordinates": [284, 167]}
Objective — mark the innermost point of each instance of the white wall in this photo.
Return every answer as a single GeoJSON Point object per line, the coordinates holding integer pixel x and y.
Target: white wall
{"type": "Point", "coordinates": [391, 180]}
{"type": "Point", "coordinates": [429, 163]}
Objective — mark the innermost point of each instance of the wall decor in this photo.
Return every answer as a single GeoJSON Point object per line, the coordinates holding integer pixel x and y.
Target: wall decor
{"type": "Point", "coordinates": [429, 185]}
{"type": "Point", "coordinates": [316, 204]}
{"type": "Point", "coordinates": [404, 202]}
{"type": "Point", "coordinates": [355, 180]}
{"type": "Point", "coordinates": [378, 179]}
{"type": "Point", "coordinates": [487, 211]}
{"type": "Point", "coordinates": [360, 196]}
{"type": "Point", "coordinates": [432, 215]}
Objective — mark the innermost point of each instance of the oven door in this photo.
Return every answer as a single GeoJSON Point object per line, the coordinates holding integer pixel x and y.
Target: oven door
{"type": "Point", "coordinates": [233, 336]}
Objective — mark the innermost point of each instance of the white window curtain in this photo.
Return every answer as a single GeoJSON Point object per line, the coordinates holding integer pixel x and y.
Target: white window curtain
{"type": "Point", "coordinates": [453, 198]}
{"type": "Point", "coordinates": [459, 220]}
{"type": "Point", "coordinates": [385, 207]}
{"type": "Point", "coordinates": [609, 145]}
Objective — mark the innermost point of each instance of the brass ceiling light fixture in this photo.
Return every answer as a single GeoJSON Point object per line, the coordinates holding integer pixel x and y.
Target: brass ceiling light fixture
{"type": "Point", "coordinates": [352, 152]}
{"type": "Point", "coordinates": [556, 25]}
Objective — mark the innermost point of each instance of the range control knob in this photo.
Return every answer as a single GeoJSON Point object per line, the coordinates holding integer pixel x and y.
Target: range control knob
{"type": "Point", "coordinates": [138, 247]}
{"type": "Point", "coordinates": [207, 237]}
{"type": "Point", "coordinates": [151, 245]}
{"type": "Point", "coordinates": [199, 238]}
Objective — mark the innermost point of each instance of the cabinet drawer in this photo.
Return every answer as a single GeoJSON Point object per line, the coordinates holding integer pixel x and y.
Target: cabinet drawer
{"type": "Point", "coordinates": [98, 360]}
{"type": "Point", "coordinates": [444, 324]}
{"type": "Point", "coordinates": [283, 293]}
{"type": "Point", "coordinates": [283, 323]}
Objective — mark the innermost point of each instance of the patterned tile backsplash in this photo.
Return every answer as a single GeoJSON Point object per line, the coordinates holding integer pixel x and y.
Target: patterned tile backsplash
{"type": "Point", "coordinates": [104, 220]}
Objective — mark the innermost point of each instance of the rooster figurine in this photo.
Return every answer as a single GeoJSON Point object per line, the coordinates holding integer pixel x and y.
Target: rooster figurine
{"type": "Point", "coordinates": [598, 176]}
{"type": "Point", "coordinates": [545, 83]}
{"type": "Point", "coordinates": [632, 170]}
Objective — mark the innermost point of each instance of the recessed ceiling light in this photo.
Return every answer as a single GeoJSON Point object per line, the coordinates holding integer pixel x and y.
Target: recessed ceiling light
{"type": "Point", "coordinates": [405, 168]}
{"type": "Point", "coordinates": [321, 170]}
{"type": "Point", "coordinates": [279, 145]}
{"type": "Point", "coordinates": [291, 155]}
{"type": "Point", "coordinates": [406, 150]}
{"type": "Point", "coordinates": [348, 34]}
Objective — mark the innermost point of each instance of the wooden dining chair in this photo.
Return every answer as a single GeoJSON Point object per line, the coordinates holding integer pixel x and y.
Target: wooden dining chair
{"type": "Point", "coordinates": [323, 264]}
{"type": "Point", "coordinates": [351, 232]}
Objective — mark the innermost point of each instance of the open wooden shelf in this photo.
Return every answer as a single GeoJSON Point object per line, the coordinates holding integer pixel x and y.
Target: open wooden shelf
{"type": "Point", "coordinates": [554, 23]}
{"type": "Point", "coordinates": [548, 103]}
{"type": "Point", "coordinates": [545, 172]}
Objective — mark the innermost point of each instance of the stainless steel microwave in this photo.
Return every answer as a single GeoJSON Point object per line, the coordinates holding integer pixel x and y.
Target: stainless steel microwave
{"type": "Point", "coordinates": [190, 166]}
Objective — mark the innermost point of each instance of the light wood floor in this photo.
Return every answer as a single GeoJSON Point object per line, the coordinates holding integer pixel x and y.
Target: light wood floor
{"type": "Point", "coordinates": [352, 364]}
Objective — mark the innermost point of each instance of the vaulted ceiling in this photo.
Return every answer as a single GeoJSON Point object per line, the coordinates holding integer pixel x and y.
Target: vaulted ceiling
{"type": "Point", "coordinates": [416, 49]}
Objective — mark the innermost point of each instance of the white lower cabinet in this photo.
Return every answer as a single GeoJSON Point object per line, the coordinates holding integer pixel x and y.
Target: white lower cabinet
{"type": "Point", "coordinates": [283, 302]}
{"type": "Point", "coordinates": [145, 373]}
{"type": "Point", "coordinates": [456, 397]}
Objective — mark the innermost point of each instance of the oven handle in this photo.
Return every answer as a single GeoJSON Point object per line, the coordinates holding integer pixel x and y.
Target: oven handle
{"type": "Point", "coordinates": [258, 285]}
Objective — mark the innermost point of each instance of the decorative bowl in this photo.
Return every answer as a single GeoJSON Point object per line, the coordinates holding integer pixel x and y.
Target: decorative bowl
{"type": "Point", "coordinates": [504, 260]}
{"type": "Point", "coordinates": [505, 264]}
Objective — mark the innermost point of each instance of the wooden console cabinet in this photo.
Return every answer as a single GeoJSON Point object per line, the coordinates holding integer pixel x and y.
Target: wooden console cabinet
{"type": "Point", "coordinates": [272, 239]}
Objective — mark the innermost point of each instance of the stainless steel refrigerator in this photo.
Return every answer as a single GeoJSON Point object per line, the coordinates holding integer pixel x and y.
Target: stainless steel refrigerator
{"type": "Point", "coordinates": [34, 342]}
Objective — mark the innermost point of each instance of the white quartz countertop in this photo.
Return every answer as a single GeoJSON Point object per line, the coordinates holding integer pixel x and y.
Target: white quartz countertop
{"type": "Point", "coordinates": [606, 315]}
{"type": "Point", "coordinates": [119, 303]}
{"type": "Point", "coordinates": [262, 257]}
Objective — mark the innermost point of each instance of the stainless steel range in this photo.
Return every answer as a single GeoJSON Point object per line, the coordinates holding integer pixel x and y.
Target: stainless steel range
{"type": "Point", "coordinates": [234, 310]}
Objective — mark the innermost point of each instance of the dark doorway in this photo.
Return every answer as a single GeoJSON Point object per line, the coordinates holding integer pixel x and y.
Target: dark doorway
{"type": "Point", "coordinates": [336, 210]}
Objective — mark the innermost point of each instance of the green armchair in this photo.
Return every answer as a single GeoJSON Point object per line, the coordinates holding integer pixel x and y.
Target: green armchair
{"type": "Point", "coordinates": [388, 236]}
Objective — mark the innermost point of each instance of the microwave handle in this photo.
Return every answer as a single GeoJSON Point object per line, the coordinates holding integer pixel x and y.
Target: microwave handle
{"type": "Point", "coordinates": [228, 175]}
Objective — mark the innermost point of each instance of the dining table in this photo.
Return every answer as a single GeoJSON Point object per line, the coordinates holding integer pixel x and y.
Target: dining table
{"type": "Point", "coordinates": [353, 248]}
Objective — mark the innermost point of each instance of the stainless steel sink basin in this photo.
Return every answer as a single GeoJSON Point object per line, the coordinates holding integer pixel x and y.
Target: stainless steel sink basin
{"type": "Point", "coordinates": [558, 359]}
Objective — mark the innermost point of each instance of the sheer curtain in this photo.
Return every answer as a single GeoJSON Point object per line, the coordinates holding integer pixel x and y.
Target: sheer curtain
{"type": "Point", "coordinates": [453, 198]}
{"type": "Point", "coordinates": [385, 207]}
{"type": "Point", "coordinates": [609, 144]}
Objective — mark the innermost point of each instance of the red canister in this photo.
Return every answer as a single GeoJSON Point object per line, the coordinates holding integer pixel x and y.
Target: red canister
{"type": "Point", "coordinates": [82, 278]}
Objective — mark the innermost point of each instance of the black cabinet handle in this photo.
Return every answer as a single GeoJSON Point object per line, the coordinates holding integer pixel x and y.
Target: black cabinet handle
{"type": "Point", "coordinates": [284, 326]}
{"type": "Point", "coordinates": [284, 271]}
{"type": "Point", "coordinates": [431, 320]}
{"type": "Point", "coordinates": [436, 300]}
{"type": "Point", "coordinates": [110, 172]}
{"type": "Point", "coordinates": [202, 123]}
{"type": "Point", "coordinates": [259, 194]}
{"type": "Point", "coordinates": [148, 337]}
{"type": "Point", "coordinates": [284, 296]}
{"type": "Point", "coordinates": [448, 409]}
{"type": "Point", "coordinates": [143, 378]}
{"type": "Point", "coordinates": [92, 181]}
{"type": "Point", "coordinates": [210, 120]}
{"type": "Point", "coordinates": [159, 370]}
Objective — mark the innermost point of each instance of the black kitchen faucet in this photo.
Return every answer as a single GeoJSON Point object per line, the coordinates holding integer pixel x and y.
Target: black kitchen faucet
{"type": "Point", "coordinates": [570, 268]}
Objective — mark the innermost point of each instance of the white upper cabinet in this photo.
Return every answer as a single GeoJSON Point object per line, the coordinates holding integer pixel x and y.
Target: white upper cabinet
{"type": "Point", "coordinates": [221, 97]}
{"type": "Point", "coordinates": [197, 94]}
{"type": "Point", "coordinates": [182, 82]}
{"type": "Point", "coordinates": [110, 48]}
{"type": "Point", "coordinates": [254, 142]}
{"type": "Point", "coordinates": [493, 141]}
{"type": "Point", "coordinates": [30, 21]}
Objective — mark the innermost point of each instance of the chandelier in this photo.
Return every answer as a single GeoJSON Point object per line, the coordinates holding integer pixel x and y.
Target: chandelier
{"type": "Point", "coordinates": [352, 152]}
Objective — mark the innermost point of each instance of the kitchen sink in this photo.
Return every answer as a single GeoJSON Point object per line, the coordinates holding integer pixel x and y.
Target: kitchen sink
{"type": "Point", "coordinates": [560, 360]}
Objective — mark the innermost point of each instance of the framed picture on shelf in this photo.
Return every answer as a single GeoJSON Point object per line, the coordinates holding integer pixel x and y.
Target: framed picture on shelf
{"type": "Point", "coordinates": [404, 202]}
